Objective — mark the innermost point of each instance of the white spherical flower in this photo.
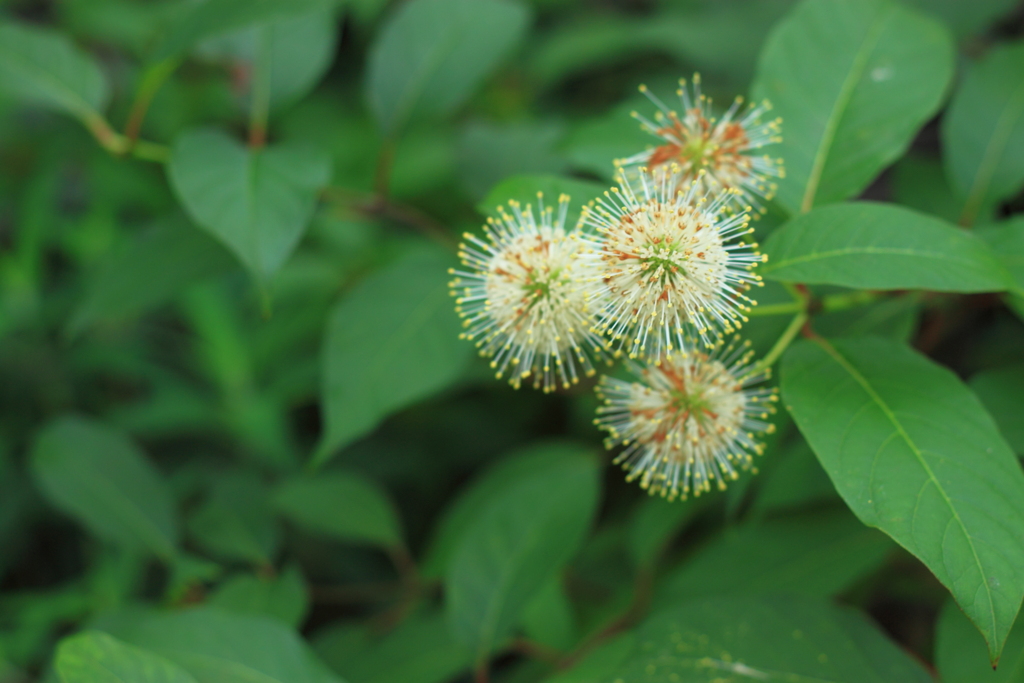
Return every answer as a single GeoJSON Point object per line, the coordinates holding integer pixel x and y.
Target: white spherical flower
{"type": "Point", "coordinates": [689, 420]}
{"type": "Point", "coordinates": [523, 298]}
{"type": "Point", "coordinates": [717, 154]}
{"type": "Point", "coordinates": [667, 264]}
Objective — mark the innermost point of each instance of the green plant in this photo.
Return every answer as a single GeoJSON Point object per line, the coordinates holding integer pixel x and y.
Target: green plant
{"type": "Point", "coordinates": [241, 438]}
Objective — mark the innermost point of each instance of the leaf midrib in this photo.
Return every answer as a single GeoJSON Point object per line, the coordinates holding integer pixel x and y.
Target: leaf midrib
{"type": "Point", "coordinates": [854, 76]}
{"type": "Point", "coordinates": [891, 416]}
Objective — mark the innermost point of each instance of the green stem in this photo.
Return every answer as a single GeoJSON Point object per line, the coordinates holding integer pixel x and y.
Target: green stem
{"type": "Point", "coordinates": [152, 79]}
{"type": "Point", "coordinates": [787, 337]}
{"type": "Point", "coordinates": [260, 112]}
{"type": "Point", "coordinates": [840, 302]}
{"type": "Point", "coordinates": [119, 145]}
{"type": "Point", "coordinates": [777, 309]}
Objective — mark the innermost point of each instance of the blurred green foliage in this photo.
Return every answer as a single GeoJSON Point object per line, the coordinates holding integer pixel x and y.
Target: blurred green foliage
{"type": "Point", "coordinates": [241, 440]}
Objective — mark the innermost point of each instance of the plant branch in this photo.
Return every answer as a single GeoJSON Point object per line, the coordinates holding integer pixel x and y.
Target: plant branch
{"type": "Point", "coordinates": [152, 79]}
{"type": "Point", "coordinates": [784, 340]}
{"type": "Point", "coordinates": [119, 145]}
{"type": "Point", "coordinates": [777, 309]}
{"type": "Point", "coordinates": [538, 651]}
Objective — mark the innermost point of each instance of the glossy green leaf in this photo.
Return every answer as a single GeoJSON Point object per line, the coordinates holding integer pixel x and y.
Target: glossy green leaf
{"type": "Point", "coordinates": [235, 521]}
{"type": "Point", "coordinates": [818, 554]}
{"type": "Point", "coordinates": [1001, 390]}
{"type": "Point", "coordinates": [199, 21]}
{"type": "Point", "coordinates": [216, 646]}
{"type": "Point", "coordinates": [961, 655]}
{"type": "Point", "coordinates": [378, 359]}
{"type": "Point", "coordinates": [738, 640]}
{"type": "Point", "coordinates": [881, 246]}
{"type": "Point", "coordinates": [432, 54]}
{"type": "Point", "coordinates": [282, 597]}
{"type": "Point", "coordinates": [258, 203]}
{"type": "Point", "coordinates": [912, 451]}
{"type": "Point", "coordinates": [149, 271]}
{"type": "Point", "coordinates": [852, 80]}
{"type": "Point", "coordinates": [524, 189]}
{"type": "Point", "coordinates": [523, 535]}
{"type": "Point", "coordinates": [95, 657]}
{"type": "Point", "coordinates": [983, 131]}
{"type": "Point", "coordinates": [101, 478]}
{"type": "Point", "coordinates": [43, 67]}
{"type": "Point", "coordinates": [463, 511]}
{"type": "Point", "coordinates": [340, 504]}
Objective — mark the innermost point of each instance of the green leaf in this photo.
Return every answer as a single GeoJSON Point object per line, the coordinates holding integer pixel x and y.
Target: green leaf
{"type": "Point", "coordinates": [235, 521]}
{"type": "Point", "coordinates": [524, 534]}
{"type": "Point", "coordinates": [524, 189]}
{"type": "Point", "coordinates": [818, 554]}
{"type": "Point", "coordinates": [961, 656]}
{"type": "Point", "coordinates": [1001, 390]}
{"type": "Point", "coordinates": [595, 144]}
{"type": "Point", "coordinates": [595, 664]}
{"type": "Point", "coordinates": [420, 650]}
{"type": "Point", "coordinates": [343, 505]}
{"type": "Point", "coordinates": [912, 451]}
{"type": "Point", "coordinates": [654, 523]}
{"type": "Point", "coordinates": [187, 573]}
{"type": "Point", "coordinates": [151, 270]}
{"type": "Point", "coordinates": [42, 66]}
{"type": "Point", "coordinates": [1007, 242]}
{"type": "Point", "coordinates": [202, 20]}
{"type": "Point", "coordinates": [282, 597]}
{"type": "Point", "coordinates": [736, 640]}
{"type": "Point", "coordinates": [966, 18]}
{"type": "Point", "coordinates": [258, 203]}
{"type": "Point", "coordinates": [463, 511]}
{"type": "Point", "coordinates": [97, 475]}
{"type": "Point", "coordinates": [432, 54]}
{"type": "Point", "coordinates": [794, 480]}
{"type": "Point", "coordinates": [95, 657]}
{"type": "Point", "coordinates": [301, 50]}
{"type": "Point", "coordinates": [881, 246]}
{"type": "Point", "coordinates": [983, 131]}
{"type": "Point", "coordinates": [548, 616]}
{"type": "Point", "coordinates": [852, 80]}
{"type": "Point", "coordinates": [896, 317]}
{"type": "Point", "coordinates": [919, 182]}
{"type": "Point", "coordinates": [381, 358]}
{"type": "Point", "coordinates": [488, 153]}
{"type": "Point", "coordinates": [216, 646]}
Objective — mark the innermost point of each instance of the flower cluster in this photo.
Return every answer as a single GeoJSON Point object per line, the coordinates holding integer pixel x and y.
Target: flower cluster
{"type": "Point", "coordinates": [659, 269]}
